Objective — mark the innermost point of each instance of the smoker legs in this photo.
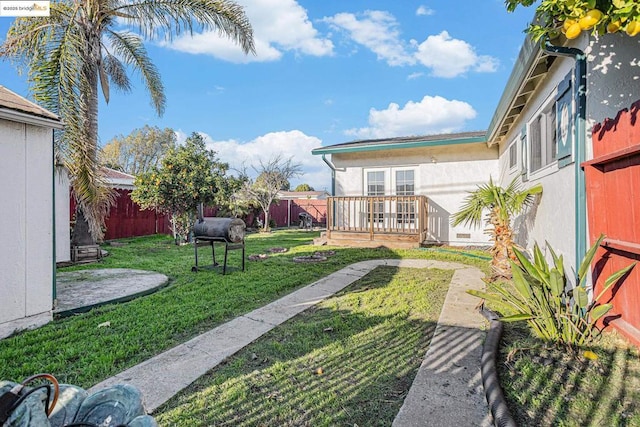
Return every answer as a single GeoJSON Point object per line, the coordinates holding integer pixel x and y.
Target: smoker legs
{"type": "Point", "coordinates": [227, 247]}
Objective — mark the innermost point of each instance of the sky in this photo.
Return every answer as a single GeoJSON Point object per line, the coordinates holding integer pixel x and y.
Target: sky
{"type": "Point", "coordinates": [325, 72]}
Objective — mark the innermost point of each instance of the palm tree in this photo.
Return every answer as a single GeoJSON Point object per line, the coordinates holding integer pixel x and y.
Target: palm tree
{"type": "Point", "coordinates": [80, 46]}
{"type": "Point", "coordinates": [503, 204]}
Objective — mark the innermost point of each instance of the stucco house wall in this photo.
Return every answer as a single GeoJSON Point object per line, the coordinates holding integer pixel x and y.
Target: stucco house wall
{"type": "Point", "coordinates": [445, 174]}
{"type": "Point", "coordinates": [613, 76]}
{"type": "Point", "coordinates": [26, 223]}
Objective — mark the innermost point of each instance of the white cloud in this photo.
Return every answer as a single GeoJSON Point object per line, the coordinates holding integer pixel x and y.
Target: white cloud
{"type": "Point", "coordinates": [377, 31]}
{"type": "Point", "coordinates": [414, 76]}
{"type": "Point", "coordinates": [449, 57]}
{"type": "Point", "coordinates": [431, 115]}
{"type": "Point", "coordinates": [424, 11]}
{"type": "Point", "coordinates": [278, 26]}
{"type": "Point", "coordinates": [289, 144]}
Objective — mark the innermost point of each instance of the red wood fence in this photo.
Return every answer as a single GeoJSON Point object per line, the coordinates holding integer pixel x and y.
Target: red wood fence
{"type": "Point", "coordinates": [613, 202]}
{"type": "Point", "coordinates": [126, 219]}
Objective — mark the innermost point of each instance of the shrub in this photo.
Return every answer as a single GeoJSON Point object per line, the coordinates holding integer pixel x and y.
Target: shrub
{"type": "Point", "coordinates": [541, 295]}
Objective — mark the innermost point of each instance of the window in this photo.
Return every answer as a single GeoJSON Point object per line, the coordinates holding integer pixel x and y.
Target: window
{"type": "Point", "coordinates": [405, 187]}
{"type": "Point", "coordinates": [543, 143]}
{"type": "Point", "coordinates": [375, 187]}
{"type": "Point", "coordinates": [404, 183]}
{"type": "Point", "coordinates": [513, 155]}
{"type": "Point", "coordinates": [375, 183]}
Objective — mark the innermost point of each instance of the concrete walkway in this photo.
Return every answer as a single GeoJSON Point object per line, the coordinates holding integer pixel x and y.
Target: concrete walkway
{"type": "Point", "coordinates": [446, 392]}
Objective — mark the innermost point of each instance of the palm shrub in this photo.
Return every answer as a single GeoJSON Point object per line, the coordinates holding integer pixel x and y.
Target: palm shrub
{"type": "Point", "coordinates": [542, 296]}
{"type": "Point", "coordinates": [502, 205]}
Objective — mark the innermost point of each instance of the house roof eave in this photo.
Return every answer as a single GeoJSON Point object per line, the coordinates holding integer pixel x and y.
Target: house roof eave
{"type": "Point", "coordinates": [399, 143]}
{"type": "Point", "coordinates": [531, 65]}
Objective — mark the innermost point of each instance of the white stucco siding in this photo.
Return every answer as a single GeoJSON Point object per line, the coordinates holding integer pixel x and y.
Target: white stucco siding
{"type": "Point", "coordinates": [26, 255]}
{"type": "Point", "coordinates": [552, 218]}
{"type": "Point", "coordinates": [613, 79]}
{"type": "Point", "coordinates": [613, 83]}
{"type": "Point", "coordinates": [445, 174]}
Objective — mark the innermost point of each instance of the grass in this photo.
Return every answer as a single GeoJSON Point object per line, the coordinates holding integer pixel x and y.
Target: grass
{"type": "Point", "coordinates": [348, 361]}
{"type": "Point", "coordinates": [549, 387]}
{"type": "Point", "coordinates": [79, 352]}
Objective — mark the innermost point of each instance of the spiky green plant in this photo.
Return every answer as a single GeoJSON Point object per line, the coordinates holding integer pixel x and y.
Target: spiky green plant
{"type": "Point", "coordinates": [542, 296]}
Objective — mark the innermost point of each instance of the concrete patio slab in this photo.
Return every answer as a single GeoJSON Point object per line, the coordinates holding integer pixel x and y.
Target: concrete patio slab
{"type": "Point", "coordinates": [80, 291]}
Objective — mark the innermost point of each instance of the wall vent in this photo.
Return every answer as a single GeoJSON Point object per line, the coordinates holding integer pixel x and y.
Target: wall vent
{"type": "Point", "coordinates": [463, 235]}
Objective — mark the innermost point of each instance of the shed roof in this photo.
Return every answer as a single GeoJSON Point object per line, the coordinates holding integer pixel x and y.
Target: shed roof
{"type": "Point", "coordinates": [12, 101]}
{"type": "Point", "coordinates": [404, 142]}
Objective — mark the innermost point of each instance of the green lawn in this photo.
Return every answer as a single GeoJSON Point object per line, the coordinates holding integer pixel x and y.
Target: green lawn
{"type": "Point", "coordinates": [79, 352]}
{"type": "Point", "coordinates": [549, 387]}
{"type": "Point", "coordinates": [348, 361]}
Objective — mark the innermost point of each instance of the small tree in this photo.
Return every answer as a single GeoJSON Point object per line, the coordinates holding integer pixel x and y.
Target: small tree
{"type": "Point", "coordinates": [188, 175]}
{"type": "Point", "coordinates": [571, 17]}
{"type": "Point", "coordinates": [139, 151]}
{"type": "Point", "coordinates": [503, 204]}
{"type": "Point", "coordinates": [304, 187]}
{"type": "Point", "coordinates": [273, 176]}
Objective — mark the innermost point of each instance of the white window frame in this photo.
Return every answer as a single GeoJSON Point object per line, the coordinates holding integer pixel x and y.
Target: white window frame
{"type": "Point", "coordinates": [548, 160]}
{"type": "Point", "coordinates": [378, 208]}
{"type": "Point", "coordinates": [405, 212]}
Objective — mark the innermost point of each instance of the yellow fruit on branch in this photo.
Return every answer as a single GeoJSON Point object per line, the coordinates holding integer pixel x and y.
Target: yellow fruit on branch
{"type": "Point", "coordinates": [633, 28]}
{"type": "Point", "coordinates": [568, 23]}
{"type": "Point", "coordinates": [614, 26]}
{"type": "Point", "coordinates": [573, 31]}
{"type": "Point", "coordinates": [590, 20]}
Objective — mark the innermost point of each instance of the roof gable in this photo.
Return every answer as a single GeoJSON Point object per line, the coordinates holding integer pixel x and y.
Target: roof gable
{"type": "Point", "coordinates": [15, 102]}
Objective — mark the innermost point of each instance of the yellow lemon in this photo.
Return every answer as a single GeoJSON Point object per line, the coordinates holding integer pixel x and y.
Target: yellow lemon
{"type": "Point", "coordinates": [573, 31]}
{"type": "Point", "coordinates": [590, 355]}
{"type": "Point", "coordinates": [568, 23]}
{"type": "Point", "coordinates": [614, 26]}
{"type": "Point", "coordinates": [633, 28]}
{"type": "Point", "coordinates": [589, 20]}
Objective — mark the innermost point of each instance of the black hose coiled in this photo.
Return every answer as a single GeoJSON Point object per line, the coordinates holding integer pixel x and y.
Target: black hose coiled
{"type": "Point", "coordinates": [492, 390]}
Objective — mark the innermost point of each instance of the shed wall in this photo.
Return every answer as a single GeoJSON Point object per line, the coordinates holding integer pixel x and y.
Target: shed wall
{"type": "Point", "coordinates": [26, 226]}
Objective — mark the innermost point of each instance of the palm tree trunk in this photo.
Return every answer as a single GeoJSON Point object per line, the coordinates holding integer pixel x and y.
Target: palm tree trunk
{"type": "Point", "coordinates": [502, 250]}
{"type": "Point", "coordinates": [87, 167]}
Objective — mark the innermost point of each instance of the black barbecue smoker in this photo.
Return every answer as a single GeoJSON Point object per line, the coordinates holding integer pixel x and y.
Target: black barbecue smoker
{"type": "Point", "coordinates": [212, 230]}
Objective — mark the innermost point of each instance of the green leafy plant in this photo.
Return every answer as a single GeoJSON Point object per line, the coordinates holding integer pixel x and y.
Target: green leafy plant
{"type": "Point", "coordinates": [541, 295]}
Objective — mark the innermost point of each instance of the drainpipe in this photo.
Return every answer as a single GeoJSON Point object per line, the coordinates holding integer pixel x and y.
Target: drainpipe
{"type": "Point", "coordinates": [333, 174]}
{"type": "Point", "coordinates": [580, 146]}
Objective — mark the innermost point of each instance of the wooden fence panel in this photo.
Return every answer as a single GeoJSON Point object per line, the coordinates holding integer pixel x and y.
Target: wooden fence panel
{"type": "Point", "coordinates": [613, 203]}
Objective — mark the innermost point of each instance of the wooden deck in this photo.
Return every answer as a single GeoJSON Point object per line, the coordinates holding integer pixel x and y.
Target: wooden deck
{"type": "Point", "coordinates": [372, 221]}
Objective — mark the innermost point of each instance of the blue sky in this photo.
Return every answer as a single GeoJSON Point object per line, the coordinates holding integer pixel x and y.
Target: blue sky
{"type": "Point", "coordinates": [326, 72]}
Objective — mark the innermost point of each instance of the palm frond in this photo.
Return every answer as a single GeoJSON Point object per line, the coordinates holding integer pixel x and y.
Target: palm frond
{"type": "Point", "coordinates": [130, 48]}
{"type": "Point", "coordinates": [168, 18]}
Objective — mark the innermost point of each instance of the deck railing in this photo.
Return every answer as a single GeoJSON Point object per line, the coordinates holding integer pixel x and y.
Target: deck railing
{"type": "Point", "coordinates": [378, 214]}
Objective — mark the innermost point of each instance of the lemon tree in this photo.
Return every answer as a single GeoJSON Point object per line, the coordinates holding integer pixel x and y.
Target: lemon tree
{"type": "Point", "coordinates": [572, 17]}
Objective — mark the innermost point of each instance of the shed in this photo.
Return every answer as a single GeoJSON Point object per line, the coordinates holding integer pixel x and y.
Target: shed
{"type": "Point", "coordinates": [27, 253]}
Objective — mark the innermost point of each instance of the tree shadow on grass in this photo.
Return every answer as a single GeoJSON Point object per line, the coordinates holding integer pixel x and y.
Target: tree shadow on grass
{"type": "Point", "coordinates": [549, 387]}
{"type": "Point", "coordinates": [334, 364]}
